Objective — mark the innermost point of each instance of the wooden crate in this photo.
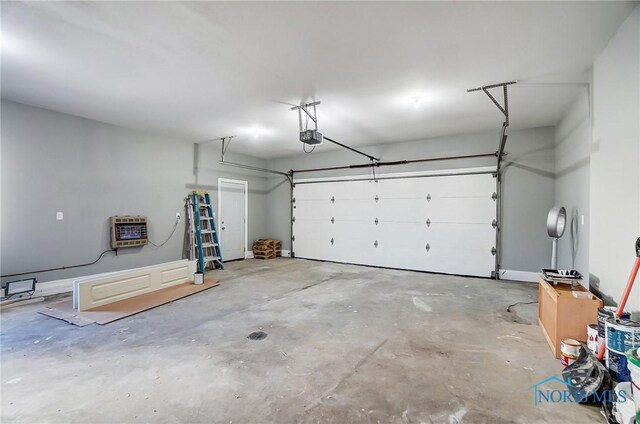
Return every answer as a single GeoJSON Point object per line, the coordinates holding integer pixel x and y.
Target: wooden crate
{"type": "Point", "coordinates": [562, 315]}
{"type": "Point", "coordinates": [266, 249]}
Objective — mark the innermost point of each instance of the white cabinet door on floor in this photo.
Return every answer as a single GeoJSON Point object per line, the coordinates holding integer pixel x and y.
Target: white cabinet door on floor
{"type": "Point", "coordinates": [431, 223]}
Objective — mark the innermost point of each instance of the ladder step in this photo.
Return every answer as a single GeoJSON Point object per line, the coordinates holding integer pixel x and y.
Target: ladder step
{"type": "Point", "coordinates": [209, 245]}
{"type": "Point", "coordinates": [204, 205]}
{"type": "Point", "coordinates": [205, 218]}
{"type": "Point", "coordinates": [211, 258]}
{"type": "Point", "coordinates": [207, 231]}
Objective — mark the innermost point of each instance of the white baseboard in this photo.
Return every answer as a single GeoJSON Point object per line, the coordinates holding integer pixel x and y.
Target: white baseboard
{"type": "Point", "coordinates": [285, 254]}
{"type": "Point", "coordinates": [508, 274]}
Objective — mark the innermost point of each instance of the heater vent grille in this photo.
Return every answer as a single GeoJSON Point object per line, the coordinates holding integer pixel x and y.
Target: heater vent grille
{"type": "Point", "coordinates": [128, 231]}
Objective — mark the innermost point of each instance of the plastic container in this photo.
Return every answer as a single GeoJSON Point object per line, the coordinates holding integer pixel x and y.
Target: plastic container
{"type": "Point", "coordinates": [617, 365]}
{"type": "Point", "coordinates": [569, 351]}
{"type": "Point", "coordinates": [621, 335]}
{"type": "Point", "coordinates": [198, 278]}
{"type": "Point", "coordinates": [603, 314]}
{"type": "Point", "coordinates": [633, 362]}
{"type": "Point", "coordinates": [592, 338]}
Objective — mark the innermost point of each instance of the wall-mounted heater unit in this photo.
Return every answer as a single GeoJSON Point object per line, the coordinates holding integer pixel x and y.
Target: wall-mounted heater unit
{"type": "Point", "coordinates": [128, 231]}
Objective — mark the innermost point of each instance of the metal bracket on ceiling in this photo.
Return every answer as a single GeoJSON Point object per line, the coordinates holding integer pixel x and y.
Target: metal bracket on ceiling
{"type": "Point", "coordinates": [504, 109]}
{"type": "Point", "coordinates": [226, 141]}
{"type": "Point", "coordinates": [312, 114]}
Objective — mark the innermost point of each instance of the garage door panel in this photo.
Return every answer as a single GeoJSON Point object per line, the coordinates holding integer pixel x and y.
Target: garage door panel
{"type": "Point", "coordinates": [314, 248]}
{"type": "Point", "coordinates": [412, 257]}
{"type": "Point", "coordinates": [401, 200]}
{"type": "Point", "coordinates": [462, 236]}
{"type": "Point", "coordinates": [457, 240]}
{"type": "Point", "coordinates": [311, 209]}
{"type": "Point", "coordinates": [464, 262]}
{"type": "Point", "coordinates": [311, 192]}
{"type": "Point", "coordinates": [401, 187]}
{"type": "Point", "coordinates": [401, 234]}
{"type": "Point", "coordinates": [360, 210]}
{"type": "Point", "coordinates": [462, 185]}
{"type": "Point", "coordinates": [402, 209]}
{"type": "Point", "coordinates": [462, 210]}
{"type": "Point", "coordinates": [358, 232]}
{"type": "Point", "coordinates": [362, 251]}
{"type": "Point", "coordinates": [311, 228]}
{"type": "Point", "coordinates": [351, 190]}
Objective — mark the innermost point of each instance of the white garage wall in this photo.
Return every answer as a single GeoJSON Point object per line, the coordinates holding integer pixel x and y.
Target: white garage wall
{"type": "Point", "coordinates": [573, 143]}
{"type": "Point", "coordinates": [615, 162]}
{"type": "Point", "coordinates": [528, 188]}
{"type": "Point", "coordinates": [90, 170]}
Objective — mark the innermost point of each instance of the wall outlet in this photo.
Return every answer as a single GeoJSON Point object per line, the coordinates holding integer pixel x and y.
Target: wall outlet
{"type": "Point", "coordinates": [59, 216]}
{"type": "Point", "coordinates": [178, 216]}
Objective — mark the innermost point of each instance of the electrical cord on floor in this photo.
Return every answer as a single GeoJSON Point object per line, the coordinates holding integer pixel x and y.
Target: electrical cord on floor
{"type": "Point", "coordinates": [62, 267]}
{"type": "Point", "coordinates": [175, 226]}
{"type": "Point", "coordinates": [520, 303]}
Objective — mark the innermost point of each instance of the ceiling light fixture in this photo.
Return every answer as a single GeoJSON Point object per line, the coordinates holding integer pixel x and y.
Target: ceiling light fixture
{"type": "Point", "coordinates": [417, 101]}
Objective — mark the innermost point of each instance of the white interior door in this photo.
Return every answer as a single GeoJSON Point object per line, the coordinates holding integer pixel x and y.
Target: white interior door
{"type": "Point", "coordinates": [232, 220]}
{"type": "Point", "coordinates": [436, 223]}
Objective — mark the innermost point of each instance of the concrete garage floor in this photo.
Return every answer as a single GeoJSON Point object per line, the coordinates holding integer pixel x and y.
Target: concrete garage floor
{"type": "Point", "coordinates": [345, 344]}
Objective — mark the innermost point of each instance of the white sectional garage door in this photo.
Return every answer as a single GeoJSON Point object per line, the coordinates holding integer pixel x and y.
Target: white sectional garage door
{"type": "Point", "coordinates": [431, 223]}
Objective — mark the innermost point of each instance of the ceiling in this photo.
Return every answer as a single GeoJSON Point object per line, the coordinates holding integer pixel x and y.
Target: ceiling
{"type": "Point", "coordinates": [203, 70]}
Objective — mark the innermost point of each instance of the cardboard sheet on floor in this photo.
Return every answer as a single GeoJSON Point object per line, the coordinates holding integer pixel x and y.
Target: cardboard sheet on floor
{"type": "Point", "coordinates": [124, 308]}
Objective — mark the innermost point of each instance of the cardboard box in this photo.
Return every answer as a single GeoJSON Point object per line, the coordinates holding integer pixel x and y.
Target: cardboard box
{"type": "Point", "coordinates": [561, 314]}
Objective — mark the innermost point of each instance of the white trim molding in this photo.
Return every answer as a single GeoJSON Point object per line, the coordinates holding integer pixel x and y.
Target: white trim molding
{"type": "Point", "coordinates": [528, 276]}
{"type": "Point", "coordinates": [91, 292]}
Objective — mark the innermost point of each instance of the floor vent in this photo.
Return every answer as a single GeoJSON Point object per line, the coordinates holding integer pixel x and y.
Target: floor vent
{"type": "Point", "coordinates": [257, 335]}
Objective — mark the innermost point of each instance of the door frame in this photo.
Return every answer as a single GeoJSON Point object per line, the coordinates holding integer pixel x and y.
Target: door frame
{"type": "Point", "coordinates": [246, 212]}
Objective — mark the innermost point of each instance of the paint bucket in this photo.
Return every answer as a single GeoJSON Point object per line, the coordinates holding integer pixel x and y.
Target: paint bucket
{"type": "Point", "coordinates": [633, 360]}
{"type": "Point", "coordinates": [620, 336]}
{"type": "Point", "coordinates": [592, 338]}
{"type": "Point", "coordinates": [198, 278]}
{"type": "Point", "coordinates": [603, 314]}
{"type": "Point", "coordinates": [617, 365]}
{"type": "Point", "coordinates": [569, 351]}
